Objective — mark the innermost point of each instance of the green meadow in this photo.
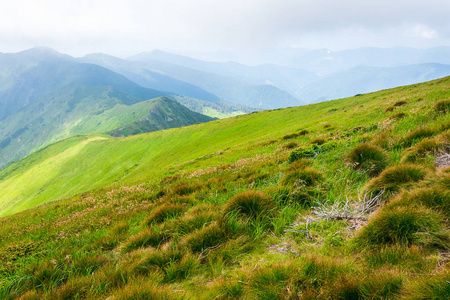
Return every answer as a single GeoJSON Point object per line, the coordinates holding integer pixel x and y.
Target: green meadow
{"type": "Point", "coordinates": [346, 199]}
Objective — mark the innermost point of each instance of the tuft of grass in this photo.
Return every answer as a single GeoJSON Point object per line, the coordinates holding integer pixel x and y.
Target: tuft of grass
{"type": "Point", "coordinates": [369, 158]}
{"type": "Point", "coordinates": [420, 150]}
{"type": "Point", "coordinates": [404, 225]}
{"type": "Point", "coordinates": [77, 288]}
{"type": "Point", "coordinates": [145, 290]}
{"type": "Point", "coordinates": [120, 228]}
{"type": "Point", "coordinates": [390, 108]}
{"type": "Point", "coordinates": [393, 178]}
{"type": "Point", "coordinates": [302, 177]}
{"type": "Point", "coordinates": [435, 287]}
{"type": "Point", "coordinates": [31, 295]}
{"type": "Point", "coordinates": [231, 250]}
{"type": "Point", "coordinates": [434, 197]}
{"type": "Point", "coordinates": [164, 212]}
{"type": "Point", "coordinates": [290, 145]}
{"type": "Point", "coordinates": [192, 221]}
{"type": "Point", "coordinates": [398, 116]}
{"type": "Point", "coordinates": [250, 204]}
{"type": "Point", "coordinates": [384, 139]}
{"type": "Point", "coordinates": [152, 260]}
{"type": "Point", "coordinates": [318, 141]}
{"type": "Point", "coordinates": [186, 188]}
{"type": "Point", "coordinates": [290, 136]}
{"type": "Point", "coordinates": [303, 132]}
{"type": "Point", "coordinates": [396, 255]}
{"type": "Point", "coordinates": [418, 134]}
{"type": "Point", "coordinates": [181, 270]}
{"type": "Point", "coordinates": [146, 238]}
{"type": "Point", "coordinates": [269, 142]}
{"type": "Point", "coordinates": [400, 103]}
{"type": "Point", "coordinates": [383, 285]}
{"type": "Point", "coordinates": [208, 237]}
{"type": "Point", "coordinates": [299, 164]}
{"type": "Point", "coordinates": [442, 106]}
{"type": "Point", "coordinates": [226, 289]}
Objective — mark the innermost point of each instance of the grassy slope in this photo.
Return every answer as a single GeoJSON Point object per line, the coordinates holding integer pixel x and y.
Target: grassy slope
{"type": "Point", "coordinates": [166, 113]}
{"type": "Point", "coordinates": [106, 161]}
{"type": "Point", "coordinates": [110, 160]}
{"type": "Point", "coordinates": [70, 239]}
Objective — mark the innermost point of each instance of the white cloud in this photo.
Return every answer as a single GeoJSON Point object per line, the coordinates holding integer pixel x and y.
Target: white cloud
{"type": "Point", "coordinates": [421, 31]}
{"type": "Point", "coordinates": [130, 26]}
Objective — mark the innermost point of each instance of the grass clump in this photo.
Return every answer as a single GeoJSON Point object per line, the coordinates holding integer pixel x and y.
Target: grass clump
{"type": "Point", "coordinates": [193, 221]}
{"type": "Point", "coordinates": [400, 103]}
{"type": "Point", "coordinates": [164, 212]}
{"type": "Point", "coordinates": [226, 289]}
{"type": "Point", "coordinates": [153, 260]}
{"type": "Point", "coordinates": [186, 188]}
{"type": "Point", "coordinates": [290, 136]}
{"type": "Point", "coordinates": [393, 178]}
{"type": "Point", "coordinates": [434, 197]}
{"type": "Point", "coordinates": [303, 132]}
{"type": "Point", "coordinates": [390, 108]}
{"type": "Point", "coordinates": [434, 288]}
{"type": "Point", "coordinates": [302, 177]}
{"type": "Point", "coordinates": [312, 278]}
{"type": "Point", "coordinates": [310, 152]}
{"type": "Point", "coordinates": [146, 290]}
{"type": "Point", "coordinates": [396, 255]}
{"type": "Point", "coordinates": [318, 141]}
{"type": "Point", "coordinates": [404, 225]}
{"type": "Point", "coordinates": [398, 116]}
{"type": "Point", "coordinates": [382, 286]}
{"type": "Point", "coordinates": [146, 238]}
{"type": "Point", "coordinates": [368, 157]}
{"type": "Point", "coordinates": [251, 204]}
{"type": "Point", "coordinates": [421, 150]}
{"type": "Point", "coordinates": [182, 269]}
{"type": "Point", "coordinates": [442, 106]}
{"type": "Point", "coordinates": [418, 134]}
{"type": "Point", "coordinates": [208, 237]}
{"type": "Point", "coordinates": [290, 145]}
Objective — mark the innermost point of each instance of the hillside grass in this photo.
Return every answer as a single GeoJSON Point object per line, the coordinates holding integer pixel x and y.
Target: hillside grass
{"type": "Point", "coordinates": [225, 210]}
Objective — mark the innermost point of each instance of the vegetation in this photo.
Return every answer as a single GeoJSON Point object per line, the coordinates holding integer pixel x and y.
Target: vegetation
{"type": "Point", "coordinates": [369, 158]}
{"type": "Point", "coordinates": [223, 210]}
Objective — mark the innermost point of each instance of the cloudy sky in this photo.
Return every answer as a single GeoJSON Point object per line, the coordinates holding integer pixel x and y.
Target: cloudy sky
{"type": "Point", "coordinates": [123, 28]}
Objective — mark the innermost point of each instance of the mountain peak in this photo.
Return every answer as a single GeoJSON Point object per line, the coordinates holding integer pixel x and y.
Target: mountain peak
{"type": "Point", "coordinates": [41, 53]}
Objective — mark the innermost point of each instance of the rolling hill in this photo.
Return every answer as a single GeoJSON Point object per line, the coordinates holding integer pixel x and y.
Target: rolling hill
{"type": "Point", "coordinates": [47, 96]}
{"type": "Point", "coordinates": [164, 113]}
{"type": "Point", "coordinates": [344, 199]}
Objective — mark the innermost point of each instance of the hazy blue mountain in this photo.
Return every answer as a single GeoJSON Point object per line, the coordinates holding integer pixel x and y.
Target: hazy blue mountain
{"type": "Point", "coordinates": [279, 76]}
{"type": "Point", "coordinates": [53, 97]}
{"type": "Point", "coordinates": [232, 82]}
{"type": "Point", "coordinates": [324, 61]}
{"type": "Point", "coordinates": [361, 80]}
{"type": "Point", "coordinates": [143, 75]}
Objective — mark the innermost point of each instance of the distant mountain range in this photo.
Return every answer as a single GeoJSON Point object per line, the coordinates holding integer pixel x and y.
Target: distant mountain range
{"type": "Point", "coordinates": [307, 76]}
{"type": "Point", "coordinates": [46, 96]}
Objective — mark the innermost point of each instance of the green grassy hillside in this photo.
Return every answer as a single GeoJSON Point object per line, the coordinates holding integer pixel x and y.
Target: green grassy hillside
{"type": "Point", "coordinates": [165, 113]}
{"type": "Point", "coordinates": [346, 199]}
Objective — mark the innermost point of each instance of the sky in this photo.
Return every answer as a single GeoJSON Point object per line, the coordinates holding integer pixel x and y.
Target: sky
{"type": "Point", "coordinates": [242, 27]}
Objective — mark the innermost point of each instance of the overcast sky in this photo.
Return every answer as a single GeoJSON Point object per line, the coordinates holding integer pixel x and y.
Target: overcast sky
{"type": "Point", "coordinates": [123, 28]}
